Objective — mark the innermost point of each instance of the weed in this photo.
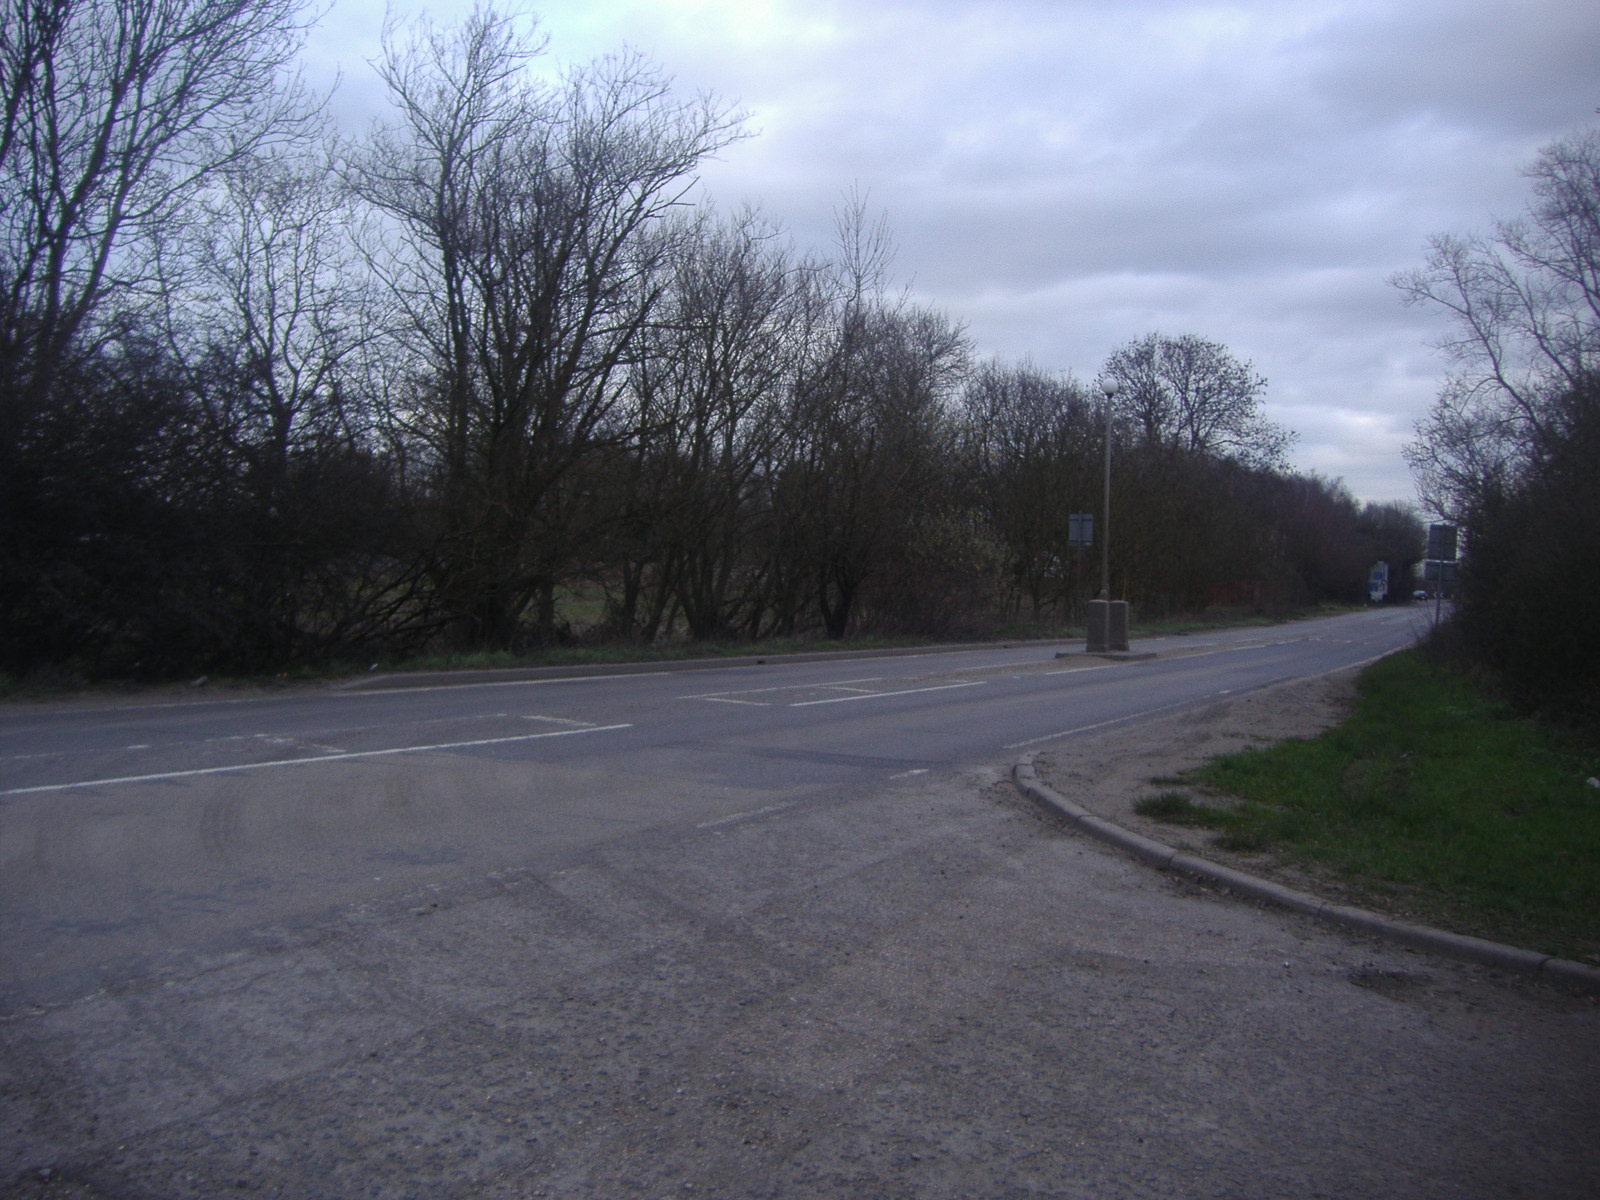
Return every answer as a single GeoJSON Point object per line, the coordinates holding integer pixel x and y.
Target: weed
{"type": "Point", "coordinates": [1176, 808]}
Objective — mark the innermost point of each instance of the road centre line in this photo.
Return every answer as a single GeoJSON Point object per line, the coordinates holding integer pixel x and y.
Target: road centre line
{"type": "Point", "coordinates": [943, 687]}
{"type": "Point", "coordinates": [782, 687]}
{"type": "Point", "coordinates": [1230, 649]}
{"type": "Point", "coordinates": [300, 762]}
{"type": "Point", "coordinates": [337, 693]}
{"type": "Point", "coordinates": [370, 693]}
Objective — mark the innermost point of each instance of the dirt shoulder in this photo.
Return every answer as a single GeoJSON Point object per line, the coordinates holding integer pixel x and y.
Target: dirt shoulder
{"type": "Point", "coordinates": [1110, 773]}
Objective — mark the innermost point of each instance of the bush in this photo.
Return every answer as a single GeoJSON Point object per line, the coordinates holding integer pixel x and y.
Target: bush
{"type": "Point", "coordinates": [1531, 580]}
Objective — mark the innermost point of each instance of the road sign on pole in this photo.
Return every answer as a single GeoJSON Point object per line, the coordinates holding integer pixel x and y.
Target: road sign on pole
{"type": "Point", "coordinates": [1441, 543]}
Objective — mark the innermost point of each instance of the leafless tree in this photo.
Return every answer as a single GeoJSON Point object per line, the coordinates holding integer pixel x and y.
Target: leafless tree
{"type": "Point", "coordinates": [1193, 395]}
{"type": "Point", "coordinates": [1034, 442]}
{"type": "Point", "coordinates": [1525, 304]}
{"type": "Point", "coordinates": [869, 419]}
{"type": "Point", "coordinates": [115, 112]}
{"type": "Point", "coordinates": [268, 294]}
{"type": "Point", "coordinates": [534, 237]}
{"type": "Point", "coordinates": [269, 313]}
{"type": "Point", "coordinates": [116, 115]}
{"type": "Point", "coordinates": [709, 384]}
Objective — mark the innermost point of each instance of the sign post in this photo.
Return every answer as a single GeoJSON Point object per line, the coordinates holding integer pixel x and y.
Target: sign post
{"type": "Point", "coordinates": [1378, 583]}
{"type": "Point", "coordinates": [1440, 566]}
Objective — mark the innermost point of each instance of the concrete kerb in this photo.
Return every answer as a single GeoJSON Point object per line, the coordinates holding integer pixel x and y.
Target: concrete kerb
{"type": "Point", "coordinates": [1453, 945]}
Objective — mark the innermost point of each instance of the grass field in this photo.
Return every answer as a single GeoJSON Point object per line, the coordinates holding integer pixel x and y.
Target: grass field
{"type": "Point", "coordinates": [1430, 801]}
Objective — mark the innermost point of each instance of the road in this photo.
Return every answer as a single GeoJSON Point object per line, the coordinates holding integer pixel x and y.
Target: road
{"type": "Point", "coordinates": [762, 930]}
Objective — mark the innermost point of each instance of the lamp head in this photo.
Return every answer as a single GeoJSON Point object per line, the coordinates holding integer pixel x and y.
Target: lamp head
{"type": "Point", "coordinates": [1110, 387]}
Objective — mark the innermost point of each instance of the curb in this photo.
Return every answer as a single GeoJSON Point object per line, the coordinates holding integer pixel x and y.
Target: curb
{"type": "Point", "coordinates": [468, 678]}
{"type": "Point", "coordinates": [1418, 937]}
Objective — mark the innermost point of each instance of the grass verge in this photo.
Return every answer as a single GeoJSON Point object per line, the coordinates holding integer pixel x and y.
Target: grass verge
{"type": "Point", "coordinates": [1434, 802]}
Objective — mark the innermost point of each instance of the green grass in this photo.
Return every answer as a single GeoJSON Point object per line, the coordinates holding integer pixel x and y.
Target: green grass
{"type": "Point", "coordinates": [1177, 808]}
{"type": "Point", "coordinates": [1435, 802]}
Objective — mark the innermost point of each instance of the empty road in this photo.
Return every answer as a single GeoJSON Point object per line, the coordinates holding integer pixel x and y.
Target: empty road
{"type": "Point", "coordinates": [767, 930]}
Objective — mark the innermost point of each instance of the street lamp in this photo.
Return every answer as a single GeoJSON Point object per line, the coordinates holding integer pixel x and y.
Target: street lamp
{"type": "Point", "coordinates": [1108, 618]}
{"type": "Point", "coordinates": [1110, 388]}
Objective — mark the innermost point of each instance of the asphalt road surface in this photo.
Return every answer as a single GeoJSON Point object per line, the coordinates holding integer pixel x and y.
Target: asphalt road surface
{"type": "Point", "coordinates": [773, 930]}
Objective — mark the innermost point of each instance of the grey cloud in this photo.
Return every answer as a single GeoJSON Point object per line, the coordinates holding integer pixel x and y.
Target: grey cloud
{"type": "Point", "coordinates": [1066, 176]}
{"type": "Point", "coordinates": [1503, 66]}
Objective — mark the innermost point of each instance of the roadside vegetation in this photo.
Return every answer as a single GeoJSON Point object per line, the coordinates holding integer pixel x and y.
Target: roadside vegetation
{"type": "Point", "coordinates": [496, 379]}
{"type": "Point", "coordinates": [1462, 789]}
{"type": "Point", "coordinates": [1434, 800]}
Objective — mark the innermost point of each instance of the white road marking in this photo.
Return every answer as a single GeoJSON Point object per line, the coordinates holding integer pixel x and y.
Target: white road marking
{"type": "Point", "coordinates": [731, 700]}
{"type": "Point", "coordinates": [493, 683]}
{"type": "Point", "coordinates": [786, 687]}
{"type": "Point", "coordinates": [1149, 712]}
{"type": "Point", "coordinates": [744, 816]}
{"type": "Point", "coordinates": [909, 774]}
{"type": "Point", "coordinates": [46, 754]}
{"type": "Point", "coordinates": [943, 687]}
{"type": "Point", "coordinates": [300, 762]}
{"type": "Point", "coordinates": [559, 721]}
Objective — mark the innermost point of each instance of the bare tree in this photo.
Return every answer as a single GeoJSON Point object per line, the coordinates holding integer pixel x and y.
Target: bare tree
{"type": "Point", "coordinates": [116, 114]}
{"type": "Point", "coordinates": [869, 421]}
{"type": "Point", "coordinates": [1034, 443]}
{"type": "Point", "coordinates": [1192, 394]}
{"type": "Point", "coordinates": [269, 312]}
{"type": "Point", "coordinates": [268, 292]}
{"type": "Point", "coordinates": [534, 240]}
{"type": "Point", "coordinates": [1525, 303]}
{"type": "Point", "coordinates": [709, 385]}
{"type": "Point", "coordinates": [115, 111]}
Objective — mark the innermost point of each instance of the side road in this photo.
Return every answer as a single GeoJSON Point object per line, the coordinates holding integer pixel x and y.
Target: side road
{"type": "Point", "coordinates": [1302, 708]}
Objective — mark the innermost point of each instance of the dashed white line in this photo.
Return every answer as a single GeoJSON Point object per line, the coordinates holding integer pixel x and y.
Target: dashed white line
{"type": "Point", "coordinates": [301, 762]}
{"type": "Point", "coordinates": [943, 687]}
{"type": "Point", "coordinates": [785, 687]}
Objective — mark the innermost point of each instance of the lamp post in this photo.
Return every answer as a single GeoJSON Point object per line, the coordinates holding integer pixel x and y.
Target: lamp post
{"type": "Point", "coordinates": [1108, 618]}
{"type": "Point", "coordinates": [1110, 388]}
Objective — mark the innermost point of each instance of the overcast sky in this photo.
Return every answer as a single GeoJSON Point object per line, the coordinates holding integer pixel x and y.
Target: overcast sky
{"type": "Point", "coordinates": [1066, 175]}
